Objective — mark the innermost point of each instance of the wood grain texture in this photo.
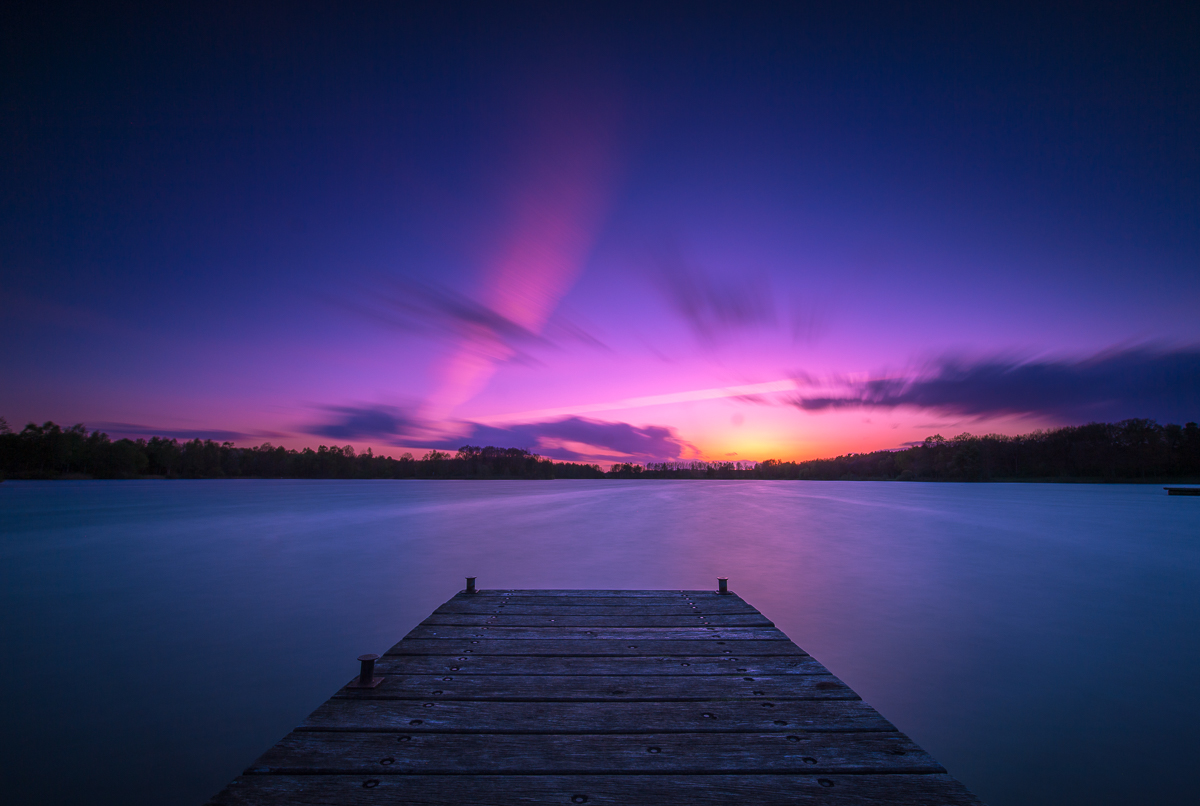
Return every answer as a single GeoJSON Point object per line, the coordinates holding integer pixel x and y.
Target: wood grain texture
{"type": "Point", "coordinates": [616, 688]}
{"type": "Point", "coordinates": [578, 647]}
{"type": "Point", "coordinates": [597, 790]}
{"type": "Point", "coordinates": [675, 665]}
{"type": "Point", "coordinates": [559, 619]}
{"type": "Point", "coordinates": [590, 599]}
{"type": "Point", "coordinates": [582, 593]}
{"type": "Point", "coordinates": [483, 753]}
{"type": "Point", "coordinates": [595, 607]}
{"type": "Point", "coordinates": [553, 632]}
{"type": "Point", "coordinates": [597, 717]}
{"type": "Point", "coordinates": [602, 697]}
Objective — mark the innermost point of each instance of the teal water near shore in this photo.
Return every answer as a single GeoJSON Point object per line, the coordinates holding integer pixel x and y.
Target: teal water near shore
{"type": "Point", "coordinates": [1039, 640]}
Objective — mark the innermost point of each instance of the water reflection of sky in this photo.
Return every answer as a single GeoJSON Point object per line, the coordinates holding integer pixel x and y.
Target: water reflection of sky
{"type": "Point", "coordinates": [1040, 628]}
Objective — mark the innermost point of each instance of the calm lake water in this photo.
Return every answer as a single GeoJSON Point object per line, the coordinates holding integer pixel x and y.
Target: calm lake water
{"type": "Point", "coordinates": [1041, 641]}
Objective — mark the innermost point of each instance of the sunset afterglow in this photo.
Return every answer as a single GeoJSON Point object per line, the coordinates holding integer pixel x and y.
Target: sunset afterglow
{"type": "Point", "coordinates": [599, 248]}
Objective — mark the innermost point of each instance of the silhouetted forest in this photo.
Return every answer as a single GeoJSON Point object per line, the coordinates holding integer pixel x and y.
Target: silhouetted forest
{"type": "Point", "coordinates": [1132, 450]}
{"type": "Point", "coordinates": [49, 452]}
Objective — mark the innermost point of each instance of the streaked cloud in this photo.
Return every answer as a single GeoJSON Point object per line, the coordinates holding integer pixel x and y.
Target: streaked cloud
{"type": "Point", "coordinates": [568, 438]}
{"type": "Point", "coordinates": [555, 439]}
{"type": "Point", "coordinates": [751, 393]}
{"type": "Point", "coordinates": [713, 306]}
{"type": "Point", "coordinates": [379, 422]}
{"type": "Point", "coordinates": [431, 308]}
{"type": "Point", "coordinates": [1114, 385]}
{"type": "Point", "coordinates": [424, 307]}
{"type": "Point", "coordinates": [134, 431]}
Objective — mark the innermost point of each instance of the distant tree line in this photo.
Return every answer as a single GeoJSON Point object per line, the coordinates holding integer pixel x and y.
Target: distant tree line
{"type": "Point", "coordinates": [49, 451]}
{"type": "Point", "coordinates": [1131, 450]}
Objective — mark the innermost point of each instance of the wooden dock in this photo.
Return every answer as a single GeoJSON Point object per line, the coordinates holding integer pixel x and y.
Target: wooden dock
{"type": "Point", "coordinates": [596, 696]}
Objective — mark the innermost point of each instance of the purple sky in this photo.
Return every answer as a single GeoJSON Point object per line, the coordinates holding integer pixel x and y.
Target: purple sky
{"type": "Point", "coordinates": [605, 232]}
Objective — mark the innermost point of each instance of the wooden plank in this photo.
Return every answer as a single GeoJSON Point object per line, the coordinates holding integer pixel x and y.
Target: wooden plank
{"type": "Point", "coordinates": [577, 593]}
{"type": "Point", "coordinates": [680, 665]}
{"type": "Point", "coordinates": [595, 647]}
{"type": "Point", "coordinates": [597, 790]}
{"type": "Point", "coordinates": [593, 601]}
{"type": "Point", "coordinates": [530, 697]}
{"type": "Point", "coordinates": [490, 753]}
{"type": "Point", "coordinates": [691, 620]}
{"type": "Point", "coordinates": [722, 606]}
{"type": "Point", "coordinates": [567, 688]}
{"type": "Point", "coordinates": [597, 717]}
{"type": "Point", "coordinates": [481, 599]}
{"type": "Point", "coordinates": [552, 632]}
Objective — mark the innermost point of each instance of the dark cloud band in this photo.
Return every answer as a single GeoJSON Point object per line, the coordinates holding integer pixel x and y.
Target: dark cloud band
{"type": "Point", "coordinates": [134, 431]}
{"type": "Point", "coordinates": [1117, 385]}
{"type": "Point", "coordinates": [619, 439]}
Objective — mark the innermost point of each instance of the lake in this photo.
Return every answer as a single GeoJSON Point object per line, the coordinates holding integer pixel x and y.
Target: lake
{"type": "Point", "coordinates": [1041, 641]}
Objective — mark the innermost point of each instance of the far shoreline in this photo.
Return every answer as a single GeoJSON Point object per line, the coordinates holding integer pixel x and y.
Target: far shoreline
{"type": "Point", "coordinates": [1172, 480]}
{"type": "Point", "coordinates": [1129, 452]}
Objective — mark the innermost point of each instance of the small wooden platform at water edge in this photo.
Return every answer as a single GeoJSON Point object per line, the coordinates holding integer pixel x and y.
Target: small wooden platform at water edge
{"type": "Point", "coordinates": [1182, 490]}
{"type": "Point", "coordinates": [507, 697]}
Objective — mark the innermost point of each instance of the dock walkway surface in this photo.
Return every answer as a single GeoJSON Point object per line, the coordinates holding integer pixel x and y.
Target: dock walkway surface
{"type": "Point", "coordinates": [596, 696]}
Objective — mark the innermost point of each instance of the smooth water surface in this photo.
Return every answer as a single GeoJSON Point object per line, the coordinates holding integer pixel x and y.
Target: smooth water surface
{"type": "Point", "coordinates": [1039, 640]}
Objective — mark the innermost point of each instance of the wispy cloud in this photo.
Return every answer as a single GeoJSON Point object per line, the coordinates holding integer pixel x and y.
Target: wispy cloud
{"type": "Point", "coordinates": [559, 175]}
{"type": "Point", "coordinates": [761, 393]}
{"type": "Point", "coordinates": [422, 307]}
{"type": "Point", "coordinates": [413, 306]}
{"type": "Point", "coordinates": [1119, 384]}
{"type": "Point", "coordinates": [713, 307]}
{"type": "Point", "coordinates": [569, 438]}
{"type": "Point", "coordinates": [134, 431]}
{"type": "Point", "coordinates": [378, 422]}
{"type": "Point", "coordinates": [611, 439]}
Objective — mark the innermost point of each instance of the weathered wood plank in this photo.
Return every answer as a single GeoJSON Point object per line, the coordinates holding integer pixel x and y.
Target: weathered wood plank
{"type": "Point", "coordinates": [553, 632]}
{"type": "Point", "coordinates": [681, 665]}
{"type": "Point", "coordinates": [714, 607]}
{"type": "Point", "coordinates": [577, 593]}
{"type": "Point", "coordinates": [597, 646]}
{"type": "Point", "coordinates": [597, 717]}
{"type": "Point", "coordinates": [597, 790]}
{"type": "Point", "coordinates": [578, 600]}
{"type": "Point", "coordinates": [697, 754]}
{"type": "Point", "coordinates": [661, 688]}
{"type": "Point", "coordinates": [574, 620]}
{"type": "Point", "coordinates": [593, 601]}
{"type": "Point", "coordinates": [641, 696]}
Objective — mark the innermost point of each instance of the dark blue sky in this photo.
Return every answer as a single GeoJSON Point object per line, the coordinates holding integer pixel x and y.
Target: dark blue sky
{"type": "Point", "coordinates": [252, 219]}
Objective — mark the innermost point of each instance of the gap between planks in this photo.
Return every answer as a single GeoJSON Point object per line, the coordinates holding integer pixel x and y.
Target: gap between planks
{"type": "Point", "coordinates": [556, 696]}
